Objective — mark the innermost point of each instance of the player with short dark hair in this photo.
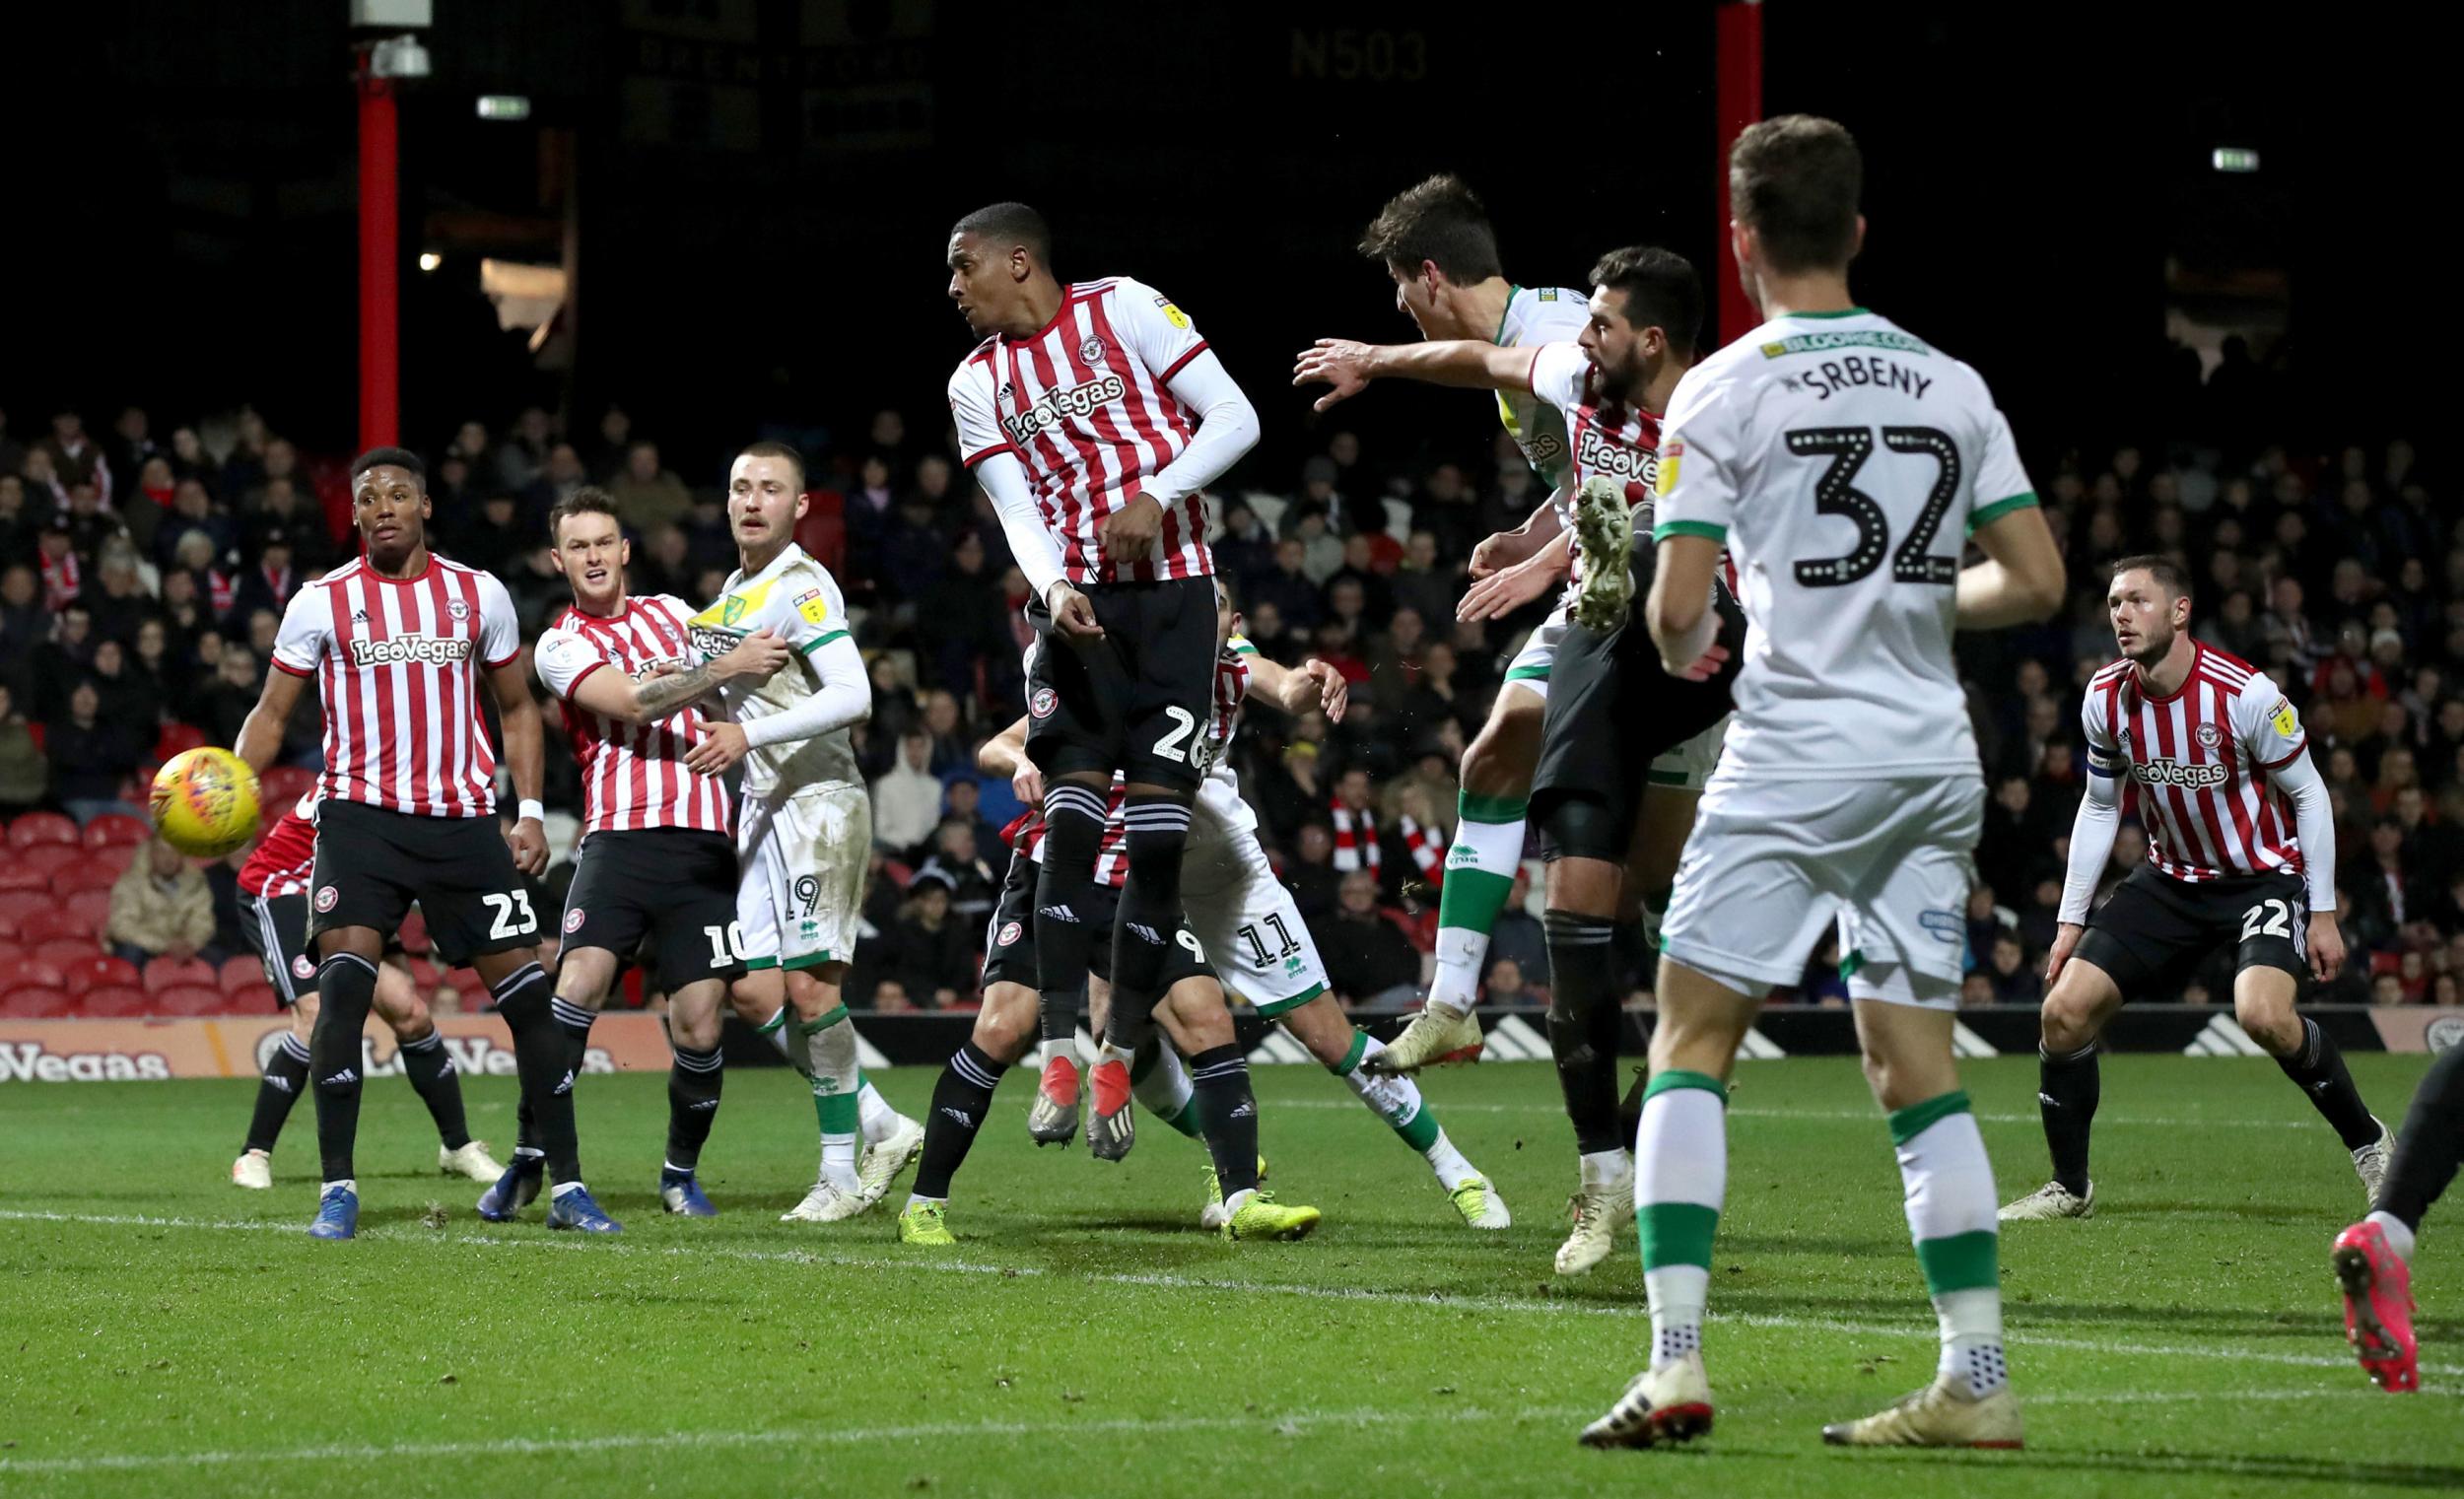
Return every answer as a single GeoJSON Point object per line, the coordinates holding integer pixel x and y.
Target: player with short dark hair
{"type": "Point", "coordinates": [1094, 415]}
{"type": "Point", "coordinates": [1840, 466]}
{"type": "Point", "coordinates": [2241, 850]}
{"type": "Point", "coordinates": [1436, 245]}
{"type": "Point", "coordinates": [404, 644]}
{"type": "Point", "coordinates": [1614, 830]}
{"type": "Point", "coordinates": [658, 858]}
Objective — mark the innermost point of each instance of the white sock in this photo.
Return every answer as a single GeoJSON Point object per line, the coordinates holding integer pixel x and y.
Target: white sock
{"type": "Point", "coordinates": [880, 1120]}
{"type": "Point", "coordinates": [1486, 853]}
{"type": "Point", "coordinates": [1165, 1090]}
{"type": "Point", "coordinates": [1602, 1168]}
{"type": "Point", "coordinates": [347, 1184]}
{"type": "Point", "coordinates": [1949, 1199]}
{"type": "Point", "coordinates": [2399, 1237]}
{"type": "Point", "coordinates": [562, 1188]}
{"type": "Point", "coordinates": [1396, 1101]}
{"type": "Point", "coordinates": [1680, 1182]}
{"type": "Point", "coordinates": [913, 1199]}
{"type": "Point", "coordinates": [783, 1033]}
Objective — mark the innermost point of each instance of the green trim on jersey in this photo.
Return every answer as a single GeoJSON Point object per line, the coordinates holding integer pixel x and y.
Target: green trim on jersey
{"type": "Point", "coordinates": [1844, 312]}
{"type": "Point", "coordinates": [1498, 338]}
{"type": "Point", "coordinates": [1704, 528]}
{"type": "Point", "coordinates": [818, 642]}
{"type": "Point", "coordinates": [1986, 514]}
{"type": "Point", "coordinates": [763, 965]}
{"type": "Point", "coordinates": [1527, 674]}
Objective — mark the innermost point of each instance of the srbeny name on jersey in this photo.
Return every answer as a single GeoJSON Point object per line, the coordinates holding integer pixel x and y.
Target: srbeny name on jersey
{"type": "Point", "coordinates": [436, 649]}
{"type": "Point", "coordinates": [1833, 376]}
{"type": "Point", "coordinates": [1059, 405]}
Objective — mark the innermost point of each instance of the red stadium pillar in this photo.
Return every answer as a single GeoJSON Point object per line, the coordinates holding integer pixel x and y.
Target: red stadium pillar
{"type": "Point", "coordinates": [380, 211]}
{"type": "Point", "coordinates": [1739, 102]}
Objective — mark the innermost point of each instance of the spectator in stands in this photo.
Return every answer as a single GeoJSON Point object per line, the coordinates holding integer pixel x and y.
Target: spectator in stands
{"type": "Point", "coordinates": [61, 660]}
{"type": "Point", "coordinates": [964, 796]}
{"type": "Point", "coordinates": [1508, 987]}
{"type": "Point", "coordinates": [25, 775]}
{"type": "Point", "coordinates": [25, 624]}
{"type": "Point", "coordinates": [1287, 589]}
{"type": "Point", "coordinates": [91, 757]}
{"type": "Point", "coordinates": [1425, 585]}
{"type": "Point", "coordinates": [89, 521]}
{"type": "Point", "coordinates": [127, 698]}
{"type": "Point", "coordinates": [646, 493]}
{"type": "Point", "coordinates": [956, 863]}
{"type": "Point", "coordinates": [1313, 879]}
{"type": "Point", "coordinates": [17, 526]}
{"type": "Point", "coordinates": [960, 619]}
{"type": "Point", "coordinates": [889, 997]}
{"type": "Point", "coordinates": [226, 704]}
{"type": "Point", "coordinates": [907, 798]}
{"type": "Point", "coordinates": [1244, 552]}
{"type": "Point", "coordinates": [117, 601]}
{"type": "Point", "coordinates": [267, 586]}
{"type": "Point", "coordinates": [934, 954]}
{"type": "Point", "coordinates": [161, 907]}
{"type": "Point", "coordinates": [954, 749]}
{"type": "Point", "coordinates": [1518, 933]}
{"type": "Point", "coordinates": [913, 551]}
{"type": "Point", "coordinates": [1369, 961]}
{"type": "Point", "coordinates": [2015, 980]}
{"type": "Point", "coordinates": [74, 457]}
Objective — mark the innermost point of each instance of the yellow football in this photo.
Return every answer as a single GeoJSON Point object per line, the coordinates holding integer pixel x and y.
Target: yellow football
{"type": "Point", "coordinates": [205, 802]}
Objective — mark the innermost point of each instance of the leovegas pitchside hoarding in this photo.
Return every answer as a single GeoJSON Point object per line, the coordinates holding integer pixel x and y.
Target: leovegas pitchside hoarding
{"type": "Point", "coordinates": [138, 1050]}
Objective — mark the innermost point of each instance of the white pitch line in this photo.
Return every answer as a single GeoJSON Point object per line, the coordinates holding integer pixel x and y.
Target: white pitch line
{"type": "Point", "coordinates": [1868, 1115]}
{"type": "Point", "coordinates": [965, 1430]}
{"type": "Point", "coordinates": [1161, 1281]}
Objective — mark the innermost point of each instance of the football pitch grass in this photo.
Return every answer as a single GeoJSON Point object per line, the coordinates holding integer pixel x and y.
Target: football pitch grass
{"type": "Point", "coordinates": [164, 1333]}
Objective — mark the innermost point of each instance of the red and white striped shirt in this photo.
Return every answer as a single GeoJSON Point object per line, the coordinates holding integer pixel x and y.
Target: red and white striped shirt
{"type": "Point", "coordinates": [1085, 406]}
{"type": "Point", "coordinates": [397, 662]}
{"type": "Point", "coordinates": [1112, 855]}
{"type": "Point", "coordinates": [633, 775]}
{"type": "Point", "coordinates": [1605, 439]}
{"type": "Point", "coordinates": [2195, 762]}
{"type": "Point", "coordinates": [280, 864]}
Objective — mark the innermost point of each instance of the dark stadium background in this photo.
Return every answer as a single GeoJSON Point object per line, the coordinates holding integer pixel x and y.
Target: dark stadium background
{"type": "Point", "coordinates": [183, 230]}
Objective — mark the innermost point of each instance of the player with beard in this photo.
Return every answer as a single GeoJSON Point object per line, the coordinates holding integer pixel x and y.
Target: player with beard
{"type": "Point", "coordinates": [403, 645]}
{"type": "Point", "coordinates": [1625, 747]}
{"type": "Point", "coordinates": [2241, 850]}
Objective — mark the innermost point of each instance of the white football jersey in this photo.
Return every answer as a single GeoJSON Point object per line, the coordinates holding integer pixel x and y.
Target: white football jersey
{"type": "Point", "coordinates": [1843, 463]}
{"type": "Point", "coordinates": [1535, 315]}
{"type": "Point", "coordinates": [796, 600]}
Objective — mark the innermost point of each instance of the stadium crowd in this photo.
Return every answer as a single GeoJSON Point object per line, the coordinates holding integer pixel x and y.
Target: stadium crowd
{"type": "Point", "coordinates": [142, 577]}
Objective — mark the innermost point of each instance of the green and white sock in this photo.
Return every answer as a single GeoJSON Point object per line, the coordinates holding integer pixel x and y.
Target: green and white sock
{"type": "Point", "coordinates": [830, 1041]}
{"type": "Point", "coordinates": [1397, 1101]}
{"type": "Point", "coordinates": [1951, 1215]}
{"type": "Point", "coordinates": [1159, 1083]}
{"type": "Point", "coordinates": [1680, 1180]}
{"type": "Point", "coordinates": [880, 1120]}
{"type": "Point", "coordinates": [1479, 874]}
{"type": "Point", "coordinates": [790, 1042]}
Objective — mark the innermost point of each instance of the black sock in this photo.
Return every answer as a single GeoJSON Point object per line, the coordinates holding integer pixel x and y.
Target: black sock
{"type": "Point", "coordinates": [960, 1100]}
{"type": "Point", "coordinates": [1057, 1016]}
{"type": "Point", "coordinates": [430, 1068]}
{"type": "Point", "coordinates": [2318, 1069]}
{"type": "Point", "coordinates": [1583, 1015]}
{"type": "Point", "coordinates": [2067, 1090]}
{"type": "Point", "coordinates": [541, 1058]}
{"type": "Point", "coordinates": [1630, 1107]}
{"type": "Point", "coordinates": [346, 988]}
{"type": "Point", "coordinates": [2429, 1143]}
{"type": "Point", "coordinates": [693, 1082]}
{"type": "Point", "coordinates": [1064, 891]}
{"type": "Point", "coordinates": [1227, 1115]}
{"type": "Point", "coordinates": [286, 1075]}
{"type": "Point", "coordinates": [1156, 831]}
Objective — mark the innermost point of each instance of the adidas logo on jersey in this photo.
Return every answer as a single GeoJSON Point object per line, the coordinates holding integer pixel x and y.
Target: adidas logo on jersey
{"type": "Point", "coordinates": [1055, 406]}
{"type": "Point", "coordinates": [436, 650]}
{"type": "Point", "coordinates": [2175, 773]}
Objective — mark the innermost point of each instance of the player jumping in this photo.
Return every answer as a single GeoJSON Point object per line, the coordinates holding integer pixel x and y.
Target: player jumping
{"type": "Point", "coordinates": [1250, 928]}
{"type": "Point", "coordinates": [274, 902]}
{"type": "Point", "coordinates": [1611, 838]}
{"type": "Point", "coordinates": [404, 644]}
{"type": "Point", "coordinates": [1843, 464]}
{"type": "Point", "coordinates": [805, 831]}
{"type": "Point", "coordinates": [2241, 849]}
{"type": "Point", "coordinates": [1094, 415]}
